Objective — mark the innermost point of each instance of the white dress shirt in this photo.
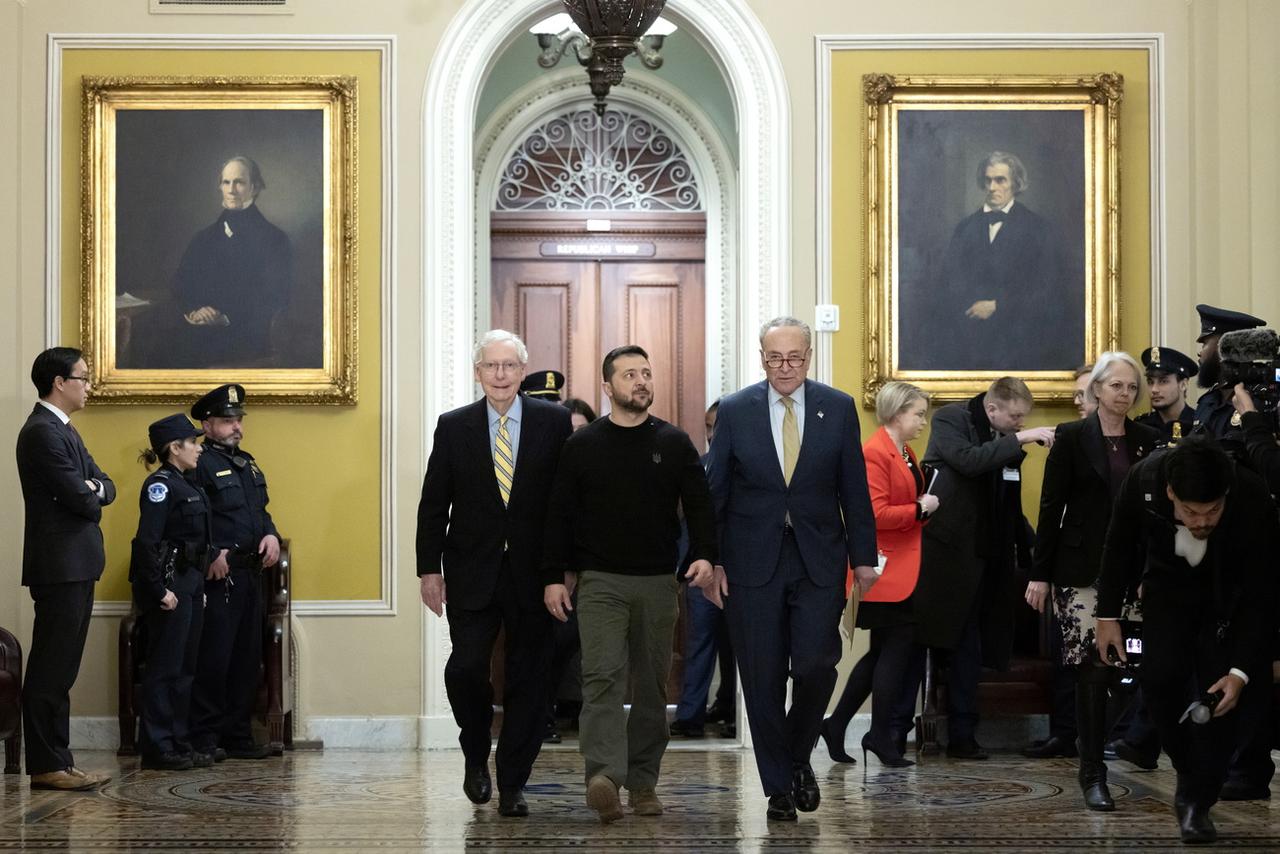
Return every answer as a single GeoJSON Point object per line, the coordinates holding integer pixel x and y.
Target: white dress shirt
{"type": "Point", "coordinates": [994, 228]}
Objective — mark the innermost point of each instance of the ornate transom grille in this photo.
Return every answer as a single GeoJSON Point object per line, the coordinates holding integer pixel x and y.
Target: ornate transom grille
{"type": "Point", "coordinates": [582, 161]}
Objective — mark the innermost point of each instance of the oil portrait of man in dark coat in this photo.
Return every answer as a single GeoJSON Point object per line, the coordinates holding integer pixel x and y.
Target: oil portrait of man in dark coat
{"type": "Point", "coordinates": [1002, 288]}
{"type": "Point", "coordinates": [213, 268]}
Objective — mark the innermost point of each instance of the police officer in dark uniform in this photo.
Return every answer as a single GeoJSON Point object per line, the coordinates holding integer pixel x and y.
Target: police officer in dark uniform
{"type": "Point", "coordinates": [1198, 533]}
{"type": "Point", "coordinates": [543, 385]}
{"type": "Point", "coordinates": [1215, 414]}
{"type": "Point", "coordinates": [170, 557]}
{"type": "Point", "coordinates": [245, 541]}
{"type": "Point", "coordinates": [1167, 374]}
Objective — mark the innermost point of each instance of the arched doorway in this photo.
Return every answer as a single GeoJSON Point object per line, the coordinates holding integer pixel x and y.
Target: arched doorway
{"type": "Point", "coordinates": [741, 47]}
{"type": "Point", "coordinates": [598, 237]}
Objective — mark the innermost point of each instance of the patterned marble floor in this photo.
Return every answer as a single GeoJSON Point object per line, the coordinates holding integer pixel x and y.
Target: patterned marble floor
{"type": "Point", "coordinates": [343, 800]}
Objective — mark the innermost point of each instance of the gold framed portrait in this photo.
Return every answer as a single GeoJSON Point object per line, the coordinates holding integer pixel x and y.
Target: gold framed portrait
{"type": "Point", "coordinates": [992, 230]}
{"type": "Point", "coordinates": [218, 237]}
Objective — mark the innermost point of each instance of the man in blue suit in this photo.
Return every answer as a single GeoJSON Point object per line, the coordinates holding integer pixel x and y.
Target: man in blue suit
{"type": "Point", "coordinates": [790, 492]}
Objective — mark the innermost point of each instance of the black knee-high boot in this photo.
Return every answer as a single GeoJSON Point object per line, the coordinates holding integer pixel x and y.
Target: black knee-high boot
{"type": "Point", "coordinates": [1091, 722]}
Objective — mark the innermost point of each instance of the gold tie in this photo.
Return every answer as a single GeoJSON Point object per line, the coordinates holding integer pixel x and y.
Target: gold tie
{"type": "Point", "coordinates": [504, 465]}
{"type": "Point", "coordinates": [790, 440]}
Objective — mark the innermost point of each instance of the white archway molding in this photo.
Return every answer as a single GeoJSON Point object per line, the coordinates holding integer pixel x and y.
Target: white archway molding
{"type": "Point", "coordinates": [652, 97]}
{"type": "Point", "coordinates": [738, 42]}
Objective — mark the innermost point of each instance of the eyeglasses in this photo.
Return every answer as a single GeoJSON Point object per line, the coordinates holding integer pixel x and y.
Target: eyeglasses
{"type": "Point", "coordinates": [793, 361]}
{"type": "Point", "coordinates": [84, 380]}
{"type": "Point", "coordinates": [507, 367]}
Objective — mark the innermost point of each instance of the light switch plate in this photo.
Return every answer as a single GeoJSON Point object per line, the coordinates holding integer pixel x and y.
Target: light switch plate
{"type": "Point", "coordinates": [827, 318]}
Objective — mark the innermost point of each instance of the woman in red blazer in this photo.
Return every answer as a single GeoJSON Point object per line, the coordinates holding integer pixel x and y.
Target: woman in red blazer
{"type": "Point", "coordinates": [891, 670]}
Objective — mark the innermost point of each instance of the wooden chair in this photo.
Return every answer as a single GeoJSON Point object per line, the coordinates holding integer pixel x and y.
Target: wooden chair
{"type": "Point", "coordinates": [11, 700]}
{"type": "Point", "coordinates": [275, 692]}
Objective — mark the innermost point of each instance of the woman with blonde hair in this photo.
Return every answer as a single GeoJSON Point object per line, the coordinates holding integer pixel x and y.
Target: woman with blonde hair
{"type": "Point", "coordinates": [1082, 476]}
{"type": "Point", "coordinates": [891, 670]}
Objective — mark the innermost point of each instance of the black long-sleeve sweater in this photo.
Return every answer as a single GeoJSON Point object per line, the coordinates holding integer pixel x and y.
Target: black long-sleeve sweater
{"type": "Point", "coordinates": [616, 501]}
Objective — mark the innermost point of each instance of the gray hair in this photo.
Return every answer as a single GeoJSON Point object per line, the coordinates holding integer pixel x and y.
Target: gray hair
{"type": "Point", "coordinates": [255, 174]}
{"type": "Point", "coordinates": [787, 320]}
{"type": "Point", "coordinates": [498, 336]}
{"type": "Point", "coordinates": [1106, 365]}
{"type": "Point", "coordinates": [893, 397]}
{"type": "Point", "coordinates": [1017, 172]}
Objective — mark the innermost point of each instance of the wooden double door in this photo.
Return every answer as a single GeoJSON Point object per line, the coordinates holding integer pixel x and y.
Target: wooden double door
{"type": "Point", "coordinates": [574, 292]}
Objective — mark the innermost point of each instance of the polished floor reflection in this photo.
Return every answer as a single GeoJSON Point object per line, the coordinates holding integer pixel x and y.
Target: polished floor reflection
{"type": "Point", "coordinates": [345, 800]}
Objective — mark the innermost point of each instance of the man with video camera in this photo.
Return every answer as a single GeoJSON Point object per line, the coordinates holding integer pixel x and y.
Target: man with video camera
{"type": "Point", "coordinates": [1193, 535]}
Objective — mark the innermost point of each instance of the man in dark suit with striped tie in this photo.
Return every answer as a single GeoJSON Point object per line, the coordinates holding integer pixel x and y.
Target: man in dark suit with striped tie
{"type": "Point", "coordinates": [63, 492]}
{"type": "Point", "coordinates": [481, 523]}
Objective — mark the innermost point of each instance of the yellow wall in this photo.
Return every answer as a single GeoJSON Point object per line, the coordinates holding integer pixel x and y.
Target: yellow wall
{"type": "Point", "coordinates": [322, 463]}
{"type": "Point", "coordinates": [848, 192]}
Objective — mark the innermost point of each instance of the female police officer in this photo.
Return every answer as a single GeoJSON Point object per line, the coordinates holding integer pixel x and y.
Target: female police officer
{"type": "Point", "coordinates": [170, 557]}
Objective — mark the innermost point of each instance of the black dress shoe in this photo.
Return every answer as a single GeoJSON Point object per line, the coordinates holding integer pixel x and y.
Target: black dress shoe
{"type": "Point", "coordinates": [1126, 751]}
{"type": "Point", "coordinates": [687, 729]}
{"type": "Point", "coordinates": [550, 735]}
{"type": "Point", "coordinates": [1195, 825]}
{"type": "Point", "coordinates": [1053, 747]}
{"type": "Point", "coordinates": [218, 754]}
{"type": "Point", "coordinates": [200, 760]}
{"type": "Point", "coordinates": [804, 788]}
{"type": "Point", "coordinates": [248, 750]}
{"type": "Point", "coordinates": [720, 714]}
{"type": "Point", "coordinates": [781, 808]}
{"type": "Point", "coordinates": [1240, 790]}
{"type": "Point", "coordinates": [166, 761]}
{"type": "Point", "coordinates": [728, 730]}
{"type": "Point", "coordinates": [968, 749]}
{"type": "Point", "coordinates": [511, 803]}
{"type": "Point", "coordinates": [476, 784]}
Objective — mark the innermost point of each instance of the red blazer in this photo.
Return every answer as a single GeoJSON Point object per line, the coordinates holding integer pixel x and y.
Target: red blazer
{"type": "Point", "coordinates": [893, 498]}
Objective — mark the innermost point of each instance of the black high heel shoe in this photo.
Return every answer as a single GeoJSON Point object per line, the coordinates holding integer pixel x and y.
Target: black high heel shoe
{"type": "Point", "coordinates": [835, 742]}
{"type": "Point", "coordinates": [887, 758]}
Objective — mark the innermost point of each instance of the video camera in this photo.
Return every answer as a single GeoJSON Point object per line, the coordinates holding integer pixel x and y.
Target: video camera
{"type": "Point", "coordinates": [1252, 357]}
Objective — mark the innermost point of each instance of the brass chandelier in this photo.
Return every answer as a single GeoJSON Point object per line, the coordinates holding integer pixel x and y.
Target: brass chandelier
{"type": "Point", "coordinates": [611, 30]}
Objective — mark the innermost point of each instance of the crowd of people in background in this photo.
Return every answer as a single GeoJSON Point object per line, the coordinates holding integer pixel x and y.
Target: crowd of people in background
{"type": "Point", "coordinates": [573, 534]}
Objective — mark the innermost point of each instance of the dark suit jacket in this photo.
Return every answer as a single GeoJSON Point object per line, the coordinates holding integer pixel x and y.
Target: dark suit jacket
{"type": "Point", "coordinates": [61, 538]}
{"type": "Point", "coordinates": [964, 552]}
{"type": "Point", "coordinates": [1233, 590]}
{"type": "Point", "coordinates": [827, 498]}
{"type": "Point", "coordinates": [1075, 500]}
{"type": "Point", "coordinates": [1036, 326]}
{"type": "Point", "coordinates": [462, 525]}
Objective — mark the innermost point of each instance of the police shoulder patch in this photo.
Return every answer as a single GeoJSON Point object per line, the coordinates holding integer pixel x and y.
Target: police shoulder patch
{"type": "Point", "coordinates": [157, 492]}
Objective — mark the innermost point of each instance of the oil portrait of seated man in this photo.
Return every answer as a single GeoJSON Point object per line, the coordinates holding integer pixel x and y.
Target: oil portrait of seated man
{"type": "Point", "coordinates": [991, 280]}
{"type": "Point", "coordinates": [236, 285]}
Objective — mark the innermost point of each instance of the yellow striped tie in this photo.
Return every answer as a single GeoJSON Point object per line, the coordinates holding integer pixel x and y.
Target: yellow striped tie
{"type": "Point", "coordinates": [504, 464]}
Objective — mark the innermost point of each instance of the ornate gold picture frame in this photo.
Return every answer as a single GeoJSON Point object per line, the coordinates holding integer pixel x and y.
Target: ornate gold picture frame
{"type": "Point", "coordinates": [992, 230]}
{"type": "Point", "coordinates": [218, 237]}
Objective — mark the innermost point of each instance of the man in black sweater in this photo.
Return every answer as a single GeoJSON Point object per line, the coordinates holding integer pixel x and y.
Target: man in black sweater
{"type": "Point", "coordinates": [613, 528]}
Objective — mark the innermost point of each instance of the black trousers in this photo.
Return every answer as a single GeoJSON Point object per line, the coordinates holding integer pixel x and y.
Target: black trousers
{"type": "Point", "coordinates": [889, 673]}
{"type": "Point", "coordinates": [786, 627]}
{"type": "Point", "coordinates": [527, 655]}
{"type": "Point", "coordinates": [62, 613]}
{"type": "Point", "coordinates": [229, 666]}
{"type": "Point", "coordinates": [1182, 658]}
{"type": "Point", "coordinates": [173, 647]}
